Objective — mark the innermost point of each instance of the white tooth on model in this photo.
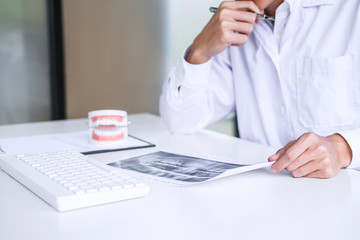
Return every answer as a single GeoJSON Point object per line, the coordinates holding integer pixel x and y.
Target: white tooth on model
{"type": "Point", "coordinates": [107, 122]}
{"type": "Point", "coordinates": [108, 133]}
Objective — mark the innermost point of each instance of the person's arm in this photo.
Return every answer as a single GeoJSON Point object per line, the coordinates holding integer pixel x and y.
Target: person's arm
{"type": "Point", "coordinates": [199, 90]}
{"type": "Point", "coordinates": [196, 95]}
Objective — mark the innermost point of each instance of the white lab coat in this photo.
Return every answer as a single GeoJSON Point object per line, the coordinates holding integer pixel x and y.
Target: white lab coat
{"type": "Point", "coordinates": [300, 75]}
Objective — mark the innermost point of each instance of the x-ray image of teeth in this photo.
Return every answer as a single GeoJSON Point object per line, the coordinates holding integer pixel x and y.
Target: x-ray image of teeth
{"type": "Point", "coordinates": [175, 166]}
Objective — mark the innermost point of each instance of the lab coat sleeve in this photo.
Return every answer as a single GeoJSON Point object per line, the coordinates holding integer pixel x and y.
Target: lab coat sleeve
{"type": "Point", "coordinates": [353, 139]}
{"type": "Point", "coordinates": [194, 96]}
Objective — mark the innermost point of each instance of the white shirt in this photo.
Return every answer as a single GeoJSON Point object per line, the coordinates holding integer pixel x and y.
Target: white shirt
{"type": "Point", "coordinates": [300, 75]}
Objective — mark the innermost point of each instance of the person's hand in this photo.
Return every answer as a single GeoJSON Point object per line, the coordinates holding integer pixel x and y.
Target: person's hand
{"type": "Point", "coordinates": [231, 25]}
{"type": "Point", "coordinates": [313, 156]}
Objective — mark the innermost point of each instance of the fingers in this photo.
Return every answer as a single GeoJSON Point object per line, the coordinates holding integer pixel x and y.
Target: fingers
{"type": "Point", "coordinates": [316, 174]}
{"type": "Point", "coordinates": [309, 156]}
{"type": "Point", "coordinates": [234, 27]}
{"type": "Point", "coordinates": [281, 151]}
{"type": "Point", "coordinates": [237, 39]}
{"type": "Point", "coordinates": [276, 156]}
{"type": "Point", "coordinates": [242, 16]}
{"type": "Point", "coordinates": [231, 25]}
{"type": "Point", "coordinates": [241, 5]}
{"type": "Point", "coordinates": [316, 169]}
{"type": "Point", "coordinates": [293, 152]}
{"type": "Point", "coordinates": [304, 158]}
{"type": "Point", "coordinates": [321, 174]}
{"type": "Point", "coordinates": [235, 15]}
{"type": "Point", "coordinates": [306, 169]}
{"type": "Point", "coordinates": [244, 28]}
{"type": "Point", "coordinates": [238, 28]}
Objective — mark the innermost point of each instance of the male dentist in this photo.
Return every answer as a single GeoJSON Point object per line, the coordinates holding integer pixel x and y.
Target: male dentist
{"type": "Point", "coordinates": [294, 82]}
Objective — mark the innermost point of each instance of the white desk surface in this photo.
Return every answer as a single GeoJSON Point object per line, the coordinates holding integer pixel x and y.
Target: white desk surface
{"type": "Point", "coordinates": [253, 205]}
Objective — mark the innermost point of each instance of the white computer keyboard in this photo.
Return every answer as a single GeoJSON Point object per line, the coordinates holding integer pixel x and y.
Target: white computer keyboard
{"type": "Point", "coordinates": [69, 180]}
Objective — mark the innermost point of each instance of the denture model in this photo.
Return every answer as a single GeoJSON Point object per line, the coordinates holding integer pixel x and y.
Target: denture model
{"type": "Point", "coordinates": [108, 127]}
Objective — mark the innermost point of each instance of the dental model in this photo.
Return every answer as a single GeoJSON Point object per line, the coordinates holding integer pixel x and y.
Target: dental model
{"type": "Point", "coordinates": [108, 127]}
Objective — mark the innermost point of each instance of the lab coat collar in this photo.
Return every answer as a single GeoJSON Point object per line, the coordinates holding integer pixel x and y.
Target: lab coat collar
{"type": "Point", "coordinates": [310, 3]}
{"type": "Point", "coordinates": [314, 3]}
{"type": "Point", "coordinates": [294, 22]}
{"type": "Point", "coordinates": [291, 4]}
{"type": "Point", "coordinates": [270, 45]}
